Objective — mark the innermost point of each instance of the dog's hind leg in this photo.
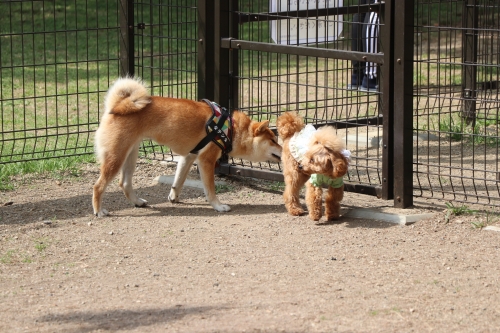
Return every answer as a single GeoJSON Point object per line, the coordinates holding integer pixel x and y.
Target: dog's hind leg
{"type": "Point", "coordinates": [109, 169]}
{"type": "Point", "coordinates": [293, 184]}
{"type": "Point", "coordinates": [183, 166]}
{"type": "Point", "coordinates": [128, 169]}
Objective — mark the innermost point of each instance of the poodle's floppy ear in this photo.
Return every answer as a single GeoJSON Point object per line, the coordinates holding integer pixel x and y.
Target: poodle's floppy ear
{"type": "Point", "coordinates": [340, 165]}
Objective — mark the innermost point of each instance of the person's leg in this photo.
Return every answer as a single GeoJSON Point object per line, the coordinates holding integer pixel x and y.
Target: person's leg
{"type": "Point", "coordinates": [358, 67]}
{"type": "Point", "coordinates": [370, 39]}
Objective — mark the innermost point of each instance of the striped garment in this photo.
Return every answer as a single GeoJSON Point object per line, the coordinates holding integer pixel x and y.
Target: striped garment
{"type": "Point", "coordinates": [371, 32]}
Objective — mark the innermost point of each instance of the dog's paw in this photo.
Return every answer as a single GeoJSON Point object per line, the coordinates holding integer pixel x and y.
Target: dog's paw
{"type": "Point", "coordinates": [173, 198]}
{"type": "Point", "coordinates": [102, 213]}
{"type": "Point", "coordinates": [315, 217]}
{"type": "Point", "coordinates": [222, 208]}
{"type": "Point", "coordinates": [141, 203]}
{"type": "Point", "coordinates": [333, 217]}
{"type": "Point", "coordinates": [296, 211]}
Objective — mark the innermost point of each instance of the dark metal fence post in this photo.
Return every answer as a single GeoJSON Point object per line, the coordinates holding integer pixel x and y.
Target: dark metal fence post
{"type": "Point", "coordinates": [469, 54]}
{"type": "Point", "coordinates": [126, 37]}
{"type": "Point", "coordinates": [221, 63]}
{"type": "Point", "coordinates": [403, 102]}
{"type": "Point", "coordinates": [233, 56]}
{"type": "Point", "coordinates": [387, 84]}
{"type": "Point", "coordinates": [206, 49]}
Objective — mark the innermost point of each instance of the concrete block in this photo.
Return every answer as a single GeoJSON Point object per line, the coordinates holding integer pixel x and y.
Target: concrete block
{"type": "Point", "coordinates": [369, 214]}
{"type": "Point", "coordinates": [168, 180]}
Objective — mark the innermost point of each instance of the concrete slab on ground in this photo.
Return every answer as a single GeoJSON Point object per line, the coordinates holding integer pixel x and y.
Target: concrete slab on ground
{"type": "Point", "coordinates": [370, 214]}
{"type": "Point", "coordinates": [373, 139]}
{"type": "Point", "coordinates": [168, 180]}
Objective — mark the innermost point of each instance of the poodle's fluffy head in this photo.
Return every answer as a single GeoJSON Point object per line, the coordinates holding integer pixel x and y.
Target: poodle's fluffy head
{"type": "Point", "coordinates": [288, 124]}
{"type": "Point", "coordinates": [325, 154]}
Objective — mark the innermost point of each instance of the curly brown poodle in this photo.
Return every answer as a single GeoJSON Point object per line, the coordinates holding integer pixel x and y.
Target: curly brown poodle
{"type": "Point", "coordinates": [324, 163]}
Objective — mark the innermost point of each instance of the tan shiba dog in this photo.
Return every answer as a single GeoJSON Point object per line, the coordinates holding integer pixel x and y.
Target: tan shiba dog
{"type": "Point", "coordinates": [132, 115]}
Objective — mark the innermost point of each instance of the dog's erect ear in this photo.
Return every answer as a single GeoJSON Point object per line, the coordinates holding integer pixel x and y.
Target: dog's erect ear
{"type": "Point", "coordinates": [261, 127]}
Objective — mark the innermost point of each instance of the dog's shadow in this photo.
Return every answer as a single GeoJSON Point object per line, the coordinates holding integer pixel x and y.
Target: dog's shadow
{"type": "Point", "coordinates": [70, 207]}
{"type": "Point", "coordinates": [203, 209]}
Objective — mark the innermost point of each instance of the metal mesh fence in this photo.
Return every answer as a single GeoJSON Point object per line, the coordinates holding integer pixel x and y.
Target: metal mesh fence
{"type": "Point", "coordinates": [456, 100]}
{"type": "Point", "coordinates": [57, 59]}
{"type": "Point", "coordinates": [166, 41]}
{"type": "Point", "coordinates": [318, 88]}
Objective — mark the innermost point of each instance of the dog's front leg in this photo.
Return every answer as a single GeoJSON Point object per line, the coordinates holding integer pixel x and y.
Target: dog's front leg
{"type": "Point", "coordinates": [332, 202]}
{"type": "Point", "coordinates": [314, 199]}
{"type": "Point", "coordinates": [206, 164]}
{"type": "Point", "coordinates": [183, 166]}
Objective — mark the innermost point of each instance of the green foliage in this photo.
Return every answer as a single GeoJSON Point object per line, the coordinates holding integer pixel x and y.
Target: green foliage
{"type": "Point", "coordinates": [40, 246]}
{"type": "Point", "coordinates": [442, 13]}
{"type": "Point", "coordinates": [277, 186]}
{"type": "Point", "coordinates": [457, 211]}
{"type": "Point", "coordinates": [222, 188]}
{"type": "Point", "coordinates": [55, 167]}
{"type": "Point", "coordinates": [7, 258]}
{"type": "Point", "coordinates": [453, 129]}
{"type": "Point", "coordinates": [478, 224]}
{"type": "Point", "coordinates": [490, 218]}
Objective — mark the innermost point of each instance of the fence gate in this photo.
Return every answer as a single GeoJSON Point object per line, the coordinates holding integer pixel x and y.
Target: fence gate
{"type": "Point", "coordinates": [276, 56]}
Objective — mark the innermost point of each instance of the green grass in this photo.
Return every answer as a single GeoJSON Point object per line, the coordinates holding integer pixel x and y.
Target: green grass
{"type": "Point", "coordinates": [457, 211]}
{"type": "Point", "coordinates": [8, 257]}
{"type": "Point", "coordinates": [454, 128]}
{"type": "Point", "coordinates": [222, 188]}
{"type": "Point", "coordinates": [40, 245]}
{"type": "Point", "coordinates": [489, 219]}
{"type": "Point", "coordinates": [277, 186]}
{"type": "Point", "coordinates": [56, 167]}
{"type": "Point", "coordinates": [14, 256]}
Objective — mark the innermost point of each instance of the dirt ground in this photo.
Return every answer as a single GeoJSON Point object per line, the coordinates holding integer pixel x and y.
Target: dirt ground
{"type": "Point", "coordinates": [187, 268]}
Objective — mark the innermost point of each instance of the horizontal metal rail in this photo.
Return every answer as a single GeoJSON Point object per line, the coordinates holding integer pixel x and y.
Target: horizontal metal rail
{"type": "Point", "coordinates": [229, 169]}
{"type": "Point", "coordinates": [304, 13]}
{"type": "Point", "coordinates": [231, 43]}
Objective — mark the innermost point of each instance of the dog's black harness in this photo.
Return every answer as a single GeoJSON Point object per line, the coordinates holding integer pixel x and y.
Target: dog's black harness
{"type": "Point", "coordinates": [219, 129]}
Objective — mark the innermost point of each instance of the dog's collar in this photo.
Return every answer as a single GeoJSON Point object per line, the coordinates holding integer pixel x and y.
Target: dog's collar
{"type": "Point", "coordinates": [219, 129]}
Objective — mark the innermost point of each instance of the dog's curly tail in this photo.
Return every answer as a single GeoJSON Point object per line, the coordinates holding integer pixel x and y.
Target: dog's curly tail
{"type": "Point", "coordinates": [288, 124]}
{"type": "Point", "coordinates": [127, 95]}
